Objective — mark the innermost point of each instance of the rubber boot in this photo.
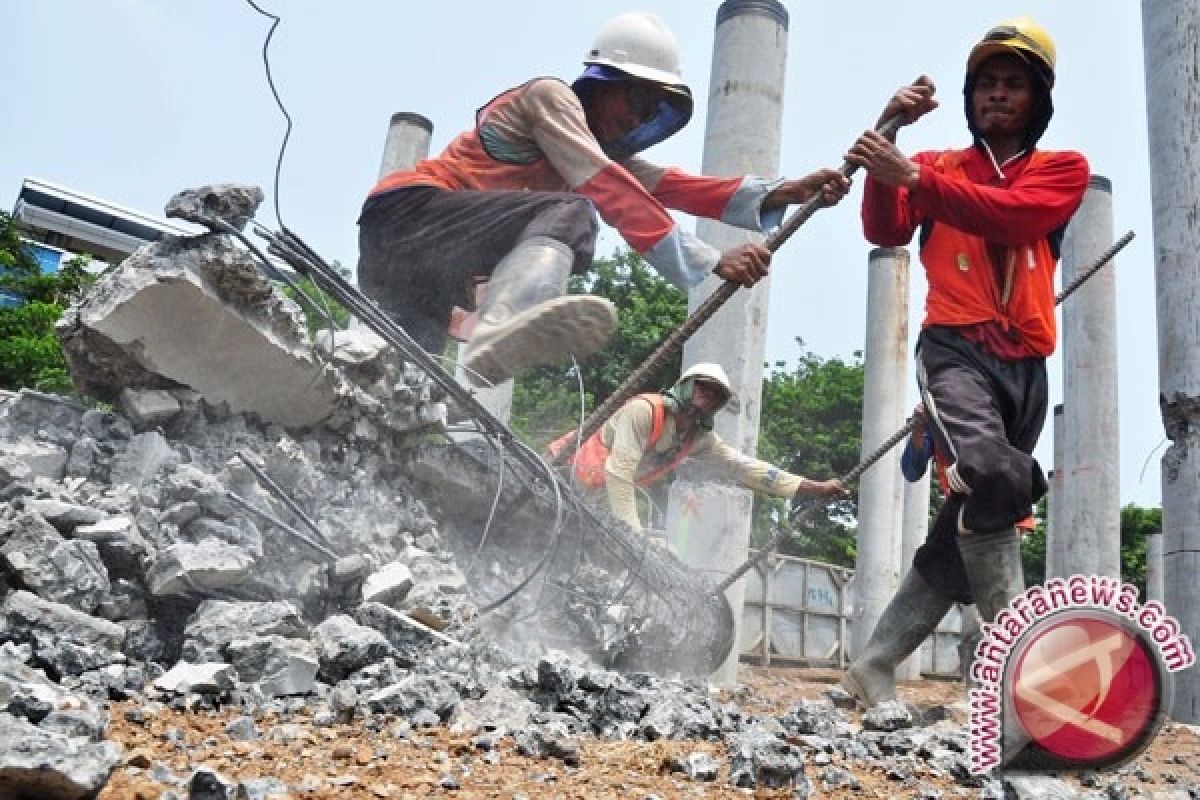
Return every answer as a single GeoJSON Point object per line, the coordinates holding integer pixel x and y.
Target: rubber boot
{"type": "Point", "coordinates": [993, 565]}
{"type": "Point", "coordinates": [527, 320]}
{"type": "Point", "coordinates": [913, 614]}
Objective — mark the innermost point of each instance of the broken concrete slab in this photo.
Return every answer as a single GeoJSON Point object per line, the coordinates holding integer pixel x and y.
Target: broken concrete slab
{"type": "Point", "coordinates": [196, 314]}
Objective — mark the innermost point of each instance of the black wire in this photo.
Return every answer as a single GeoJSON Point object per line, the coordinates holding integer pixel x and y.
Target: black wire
{"type": "Point", "coordinates": [271, 82]}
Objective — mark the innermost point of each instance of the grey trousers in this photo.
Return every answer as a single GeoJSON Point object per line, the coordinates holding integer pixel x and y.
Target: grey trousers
{"type": "Point", "coordinates": [421, 248]}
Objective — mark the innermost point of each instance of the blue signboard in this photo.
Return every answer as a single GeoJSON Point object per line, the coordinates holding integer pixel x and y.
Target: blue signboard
{"type": "Point", "coordinates": [47, 257]}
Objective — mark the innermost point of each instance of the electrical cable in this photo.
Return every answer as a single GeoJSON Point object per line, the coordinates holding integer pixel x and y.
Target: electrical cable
{"type": "Point", "coordinates": [278, 101]}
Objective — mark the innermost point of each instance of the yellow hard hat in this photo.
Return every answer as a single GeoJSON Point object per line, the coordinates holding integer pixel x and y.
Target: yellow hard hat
{"type": "Point", "coordinates": [1020, 35]}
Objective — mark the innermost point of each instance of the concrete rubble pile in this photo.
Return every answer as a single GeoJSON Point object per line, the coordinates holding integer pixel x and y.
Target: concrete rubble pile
{"type": "Point", "coordinates": [144, 558]}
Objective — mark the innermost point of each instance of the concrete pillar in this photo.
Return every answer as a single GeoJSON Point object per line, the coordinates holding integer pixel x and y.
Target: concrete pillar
{"type": "Point", "coordinates": [1056, 534]}
{"type": "Point", "coordinates": [1171, 37]}
{"type": "Point", "coordinates": [1091, 498]}
{"type": "Point", "coordinates": [914, 528]}
{"type": "Point", "coordinates": [709, 523]}
{"type": "Point", "coordinates": [1154, 567]}
{"type": "Point", "coordinates": [407, 142]}
{"type": "Point", "coordinates": [885, 356]}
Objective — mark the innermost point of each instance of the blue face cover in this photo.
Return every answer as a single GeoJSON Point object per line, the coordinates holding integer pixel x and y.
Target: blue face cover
{"type": "Point", "coordinates": [672, 114]}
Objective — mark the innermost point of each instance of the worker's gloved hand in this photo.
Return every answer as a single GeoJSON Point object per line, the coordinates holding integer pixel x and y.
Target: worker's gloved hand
{"type": "Point", "coordinates": [746, 264]}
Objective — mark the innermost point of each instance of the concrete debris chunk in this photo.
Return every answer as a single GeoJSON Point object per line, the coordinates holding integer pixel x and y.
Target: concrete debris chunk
{"type": "Point", "coordinates": [217, 623]}
{"type": "Point", "coordinates": [186, 677]}
{"type": "Point", "coordinates": [187, 568]}
{"type": "Point", "coordinates": [44, 764]}
{"type": "Point", "coordinates": [389, 585]}
{"type": "Point", "coordinates": [232, 203]}
{"type": "Point", "coordinates": [64, 516]}
{"type": "Point", "coordinates": [344, 646]}
{"type": "Point", "coordinates": [62, 571]}
{"type": "Point", "coordinates": [63, 638]}
{"type": "Point", "coordinates": [148, 408]}
{"type": "Point", "coordinates": [759, 758]}
{"type": "Point", "coordinates": [279, 665]}
{"type": "Point", "coordinates": [500, 710]}
{"type": "Point", "coordinates": [26, 459]}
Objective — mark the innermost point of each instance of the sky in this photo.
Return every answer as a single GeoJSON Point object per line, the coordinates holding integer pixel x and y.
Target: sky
{"type": "Point", "coordinates": [135, 100]}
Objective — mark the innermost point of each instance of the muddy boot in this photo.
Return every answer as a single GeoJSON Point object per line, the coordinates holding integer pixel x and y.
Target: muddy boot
{"type": "Point", "coordinates": [526, 318]}
{"type": "Point", "coordinates": [968, 640]}
{"type": "Point", "coordinates": [913, 614]}
{"type": "Point", "coordinates": [993, 564]}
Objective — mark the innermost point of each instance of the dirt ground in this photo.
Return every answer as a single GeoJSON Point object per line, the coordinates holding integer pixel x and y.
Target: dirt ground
{"type": "Point", "coordinates": [347, 761]}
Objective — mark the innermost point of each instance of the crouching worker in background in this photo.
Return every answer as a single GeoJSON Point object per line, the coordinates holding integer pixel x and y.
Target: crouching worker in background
{"type": "Point", "coordinates": [650, 436]}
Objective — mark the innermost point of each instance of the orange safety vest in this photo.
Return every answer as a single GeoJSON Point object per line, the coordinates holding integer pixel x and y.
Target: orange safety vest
{"type": "Point", "coordinates": [587, 464]}
{"type": "Point", "coordinates": [963, 286]}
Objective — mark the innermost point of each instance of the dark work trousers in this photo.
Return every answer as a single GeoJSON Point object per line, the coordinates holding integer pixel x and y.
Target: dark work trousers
{"type": "Point", "coordinates": [987, 414]}
{"type": "Point", "coordinates": [421, 248]}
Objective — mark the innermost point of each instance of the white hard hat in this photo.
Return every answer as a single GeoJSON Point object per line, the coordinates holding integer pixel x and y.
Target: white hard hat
{"type": "Point", "coordinates": [640, 44]}
{"type": "Point", "coordinates": [707, 371]}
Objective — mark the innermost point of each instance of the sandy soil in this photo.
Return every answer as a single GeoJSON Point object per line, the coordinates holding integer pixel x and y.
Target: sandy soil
{"type": "Point", "coordinates": [347, 761]}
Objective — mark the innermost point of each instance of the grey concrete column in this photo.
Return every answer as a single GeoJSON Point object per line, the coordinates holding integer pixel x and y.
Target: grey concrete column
{"type": "Point", "coordinates": [1154, 566]}
{"type": "Point", "coordinates": [1091, 492]}
{"type": "Point", "coordinates": [914, 528]}
{"type": "Point", "coordinates": [1171, 37]}
{"type": "Point", "coordinates": [1056, 535]}
{"type": "Point", "coordinates": [709, 523]}
{"type": "Point", "coordinates": [885, 358]}
{"type": "Point", "coordinates": [407, 142]}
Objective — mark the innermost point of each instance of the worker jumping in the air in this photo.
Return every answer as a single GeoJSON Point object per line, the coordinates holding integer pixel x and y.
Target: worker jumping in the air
{"type": "Point", "coordinates": [514, 199]}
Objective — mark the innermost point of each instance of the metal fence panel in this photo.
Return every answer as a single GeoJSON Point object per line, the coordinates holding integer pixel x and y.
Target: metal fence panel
{"type": "Point", "coordinates": [806, 615]}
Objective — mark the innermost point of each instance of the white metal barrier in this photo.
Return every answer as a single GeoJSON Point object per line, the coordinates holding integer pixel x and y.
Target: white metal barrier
{"type": "Point", "coordinates": [798, 611]}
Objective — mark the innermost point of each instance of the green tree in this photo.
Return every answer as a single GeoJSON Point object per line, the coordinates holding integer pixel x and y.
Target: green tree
{"type": "Point", "coordinates": [315, 296]}
{"type": "Point", "coordinates": [1033, 547]}
{"type": "Point", "coordinates": [1136, 523]}
{"type": "Point", "coordinates": [30, 355]}
{"type": "Point", "coordinates": [811, 424]}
